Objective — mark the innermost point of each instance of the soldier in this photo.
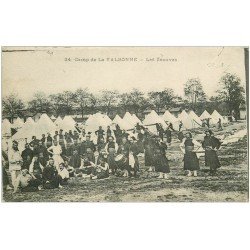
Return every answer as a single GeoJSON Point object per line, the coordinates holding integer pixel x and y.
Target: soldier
{"type": "Point", "coordinates": [211, 144]}
{"type": "Point", "coordinates": [27, 156]}
{"type": "Point", "coordinates": [160, 159]}
{"type": "Point", "coordinates": [100, 134]}
{"type": "Point", "coordinates": [15, 162]}
{"type": "Point", "coordinates": [191, 161]}
{"type": "Point", "coordinates": [111, 148]}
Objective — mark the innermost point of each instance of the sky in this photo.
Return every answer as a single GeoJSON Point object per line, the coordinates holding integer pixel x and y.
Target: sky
{"type": "Point", "coordinates": [26, 70]}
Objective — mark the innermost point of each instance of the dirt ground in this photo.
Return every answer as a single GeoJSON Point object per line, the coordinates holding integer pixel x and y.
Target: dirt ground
{"type": "Point", "coordinates": [230, 184]}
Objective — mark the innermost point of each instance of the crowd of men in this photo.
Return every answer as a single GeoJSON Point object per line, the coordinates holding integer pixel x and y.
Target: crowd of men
{"type": "Point", "coordinates": [50, 161]}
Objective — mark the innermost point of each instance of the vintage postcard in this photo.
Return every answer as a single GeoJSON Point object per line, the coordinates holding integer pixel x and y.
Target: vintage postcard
{"type": "Point", "coordinates": [125, 124]}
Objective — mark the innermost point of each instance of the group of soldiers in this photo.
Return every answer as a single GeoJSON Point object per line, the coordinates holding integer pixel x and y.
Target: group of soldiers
{"type": "Point", "coordinates": [50, 161]}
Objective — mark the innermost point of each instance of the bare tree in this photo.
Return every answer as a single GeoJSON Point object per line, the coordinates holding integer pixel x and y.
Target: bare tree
{"type": "Point", "coordinates": [11, 105]}
{"type": "Point", "coordinates": [134, 100]}
{"type": "Point", "coordinates": [161, 99]}
{"type": "Point", "coordinates": [62, 103]}
{"type": "Point", "coordinates": [124, 101]}
{"type": "Point", "coordinates": [82, 99]}
{"type": "Point", "coordinates": [108, 99]}
{"type": "Point", "coordinates": [39, 103]}
{"type": "Point", "coordinates": [193, 90]}
{"type": "Point", "coordinates": [231, 92]}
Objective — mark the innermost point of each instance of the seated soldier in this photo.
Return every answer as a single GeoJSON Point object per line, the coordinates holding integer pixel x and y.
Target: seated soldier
{"type": "Point", "coordinates": [103, 154]}
{"type": "Point", "coordinates": [70, 169]}
{"type": "Point", "coordinates": [101, 171]}
{"type": "Point", "coordinates": [36, 168]}
{"type": "Point", "coordinates": [86, 168]}
{"type": "Point", "coordinates": [63, 172]}
{"type": "Point", "coordinates": [27, 183]}
{"type": "Point", "coordinates": [90, 155]}
{"type": "Point", "coordinates": [51, 178]}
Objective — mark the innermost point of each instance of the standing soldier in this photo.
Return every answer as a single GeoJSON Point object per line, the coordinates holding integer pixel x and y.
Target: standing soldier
{"type": "Point", "coordinates": [69, 143]}
{"type": "Point", "coordinates": [169, 135]}
{"type": "Point", "coordinates": [15, 162]}
{"type": "Point", "coordinates": [219, 124]}
{"type": "Point", "coordinates": [191, 161]}
{"type": "Point", "coordinates": [61, 141]}
{"type": "Point", "coordinates": [100, 134]}
{"type": "Point", "coordinates": [118, 134]}
{"type": "Point", "coordinates": [56, 151]}
{"type": "Point", "coordinates": [49, 140]}
{"type": "Point", "coordinates": [56, 136]}
{"type": "Point", "coordinates": [180, 126]}
{"type": "Point", "coordinates": [111, 148]}
{"type": "Point", "coordinates": [134, 150]}
{"type": "Point", "coordinates": [124, 150]}
{"type": "Point", "coordinates": [211, 145]}
{"type": "Point", "coordinates": [160, 130]}
{"type": "Point", "coordinates": [43, 139]}
{"type": "Point", "coordinates": [160, 159]}
{"type": "Point", "coordinates": [108, 134]}
{"type": "Point", "coordinates": [148, 146]}
{"type": "Point", "coordinates": [27, 156]}
{"type": "Point", "coordinates": [42, 153]}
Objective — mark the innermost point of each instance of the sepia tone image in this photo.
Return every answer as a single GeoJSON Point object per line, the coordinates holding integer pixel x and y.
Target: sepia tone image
{"type": "Point", "coordinates": [125, 124]}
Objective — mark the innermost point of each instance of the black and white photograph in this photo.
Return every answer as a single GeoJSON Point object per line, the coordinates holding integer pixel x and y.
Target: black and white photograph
{"type": "Point", "coordinates": [125, 124]}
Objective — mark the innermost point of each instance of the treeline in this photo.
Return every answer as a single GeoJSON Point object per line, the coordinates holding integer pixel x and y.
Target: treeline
{"type": "Point", "coordinates": [82, 101]}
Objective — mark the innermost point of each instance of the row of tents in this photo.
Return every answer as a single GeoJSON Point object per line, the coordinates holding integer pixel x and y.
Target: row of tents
{"type": "Point", "coordinates": [43, 126]}
{"type": "Point", "coordinates": [48, 124]}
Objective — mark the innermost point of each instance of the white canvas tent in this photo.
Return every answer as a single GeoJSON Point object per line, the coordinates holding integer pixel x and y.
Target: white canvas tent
{"type": "Point", "coordinates": [136, 119]}
{"type": "Point", "coordinates": [196, 120]}
{"type": "Point", "coordinates": [123, 124]}
{"type": "Point", "coordinates": [58, 121]}
{"type": "Point", "coordinates": [127, 124]}
{"type": "Point", "coordinates": [127, 116]}
{"type": "Point", "coordinates": [18, 123]}
{"type": "Point", "coordinates": [107, 119]}
{"type": "Point", "coordinates": [27, 131]}
{"type": "Point", "coordinates": [153, 118]}
{"type": "Point", "coordinates": [117, 119]}
{"type": "Point", "coordinates": [29, 121]}
{"type": "Point", "coordinates": [130, 120]}
{"type": "Point", "coordinates": [68, 123]}
{"type": "Point", "coordinates": [6, 127]}
{"type": "Point", "coordinates": [205, 115]}
{"type": "Point", "coordinates": [45, 125]}
{"type": "Point", "coordinates": [186, 120]}
{"type": "Point", "coordinates": [168, 117]}
{"type": "Point", "coordinates": [215, 116]}
{"type": "Point", "coordinates": [95, 121]}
